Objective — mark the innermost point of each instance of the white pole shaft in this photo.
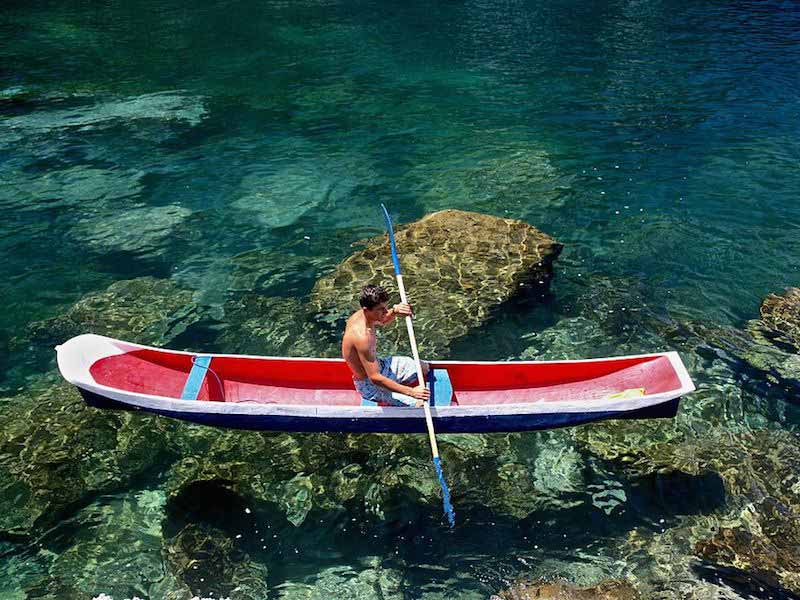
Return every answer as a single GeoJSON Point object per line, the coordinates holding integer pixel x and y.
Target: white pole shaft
{"type": "Point", "coordinates": [420, 377]}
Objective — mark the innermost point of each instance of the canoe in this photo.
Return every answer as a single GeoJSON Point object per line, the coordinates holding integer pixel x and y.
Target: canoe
{"type": "Point", "coordinates": [317, 394]}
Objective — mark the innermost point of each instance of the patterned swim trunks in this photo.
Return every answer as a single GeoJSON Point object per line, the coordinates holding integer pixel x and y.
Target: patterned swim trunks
{"type": "Point", "coordinates": [401, 369]}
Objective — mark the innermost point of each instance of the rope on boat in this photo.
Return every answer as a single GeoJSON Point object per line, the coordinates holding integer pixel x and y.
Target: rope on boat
{"type": "Point", "coordinates": [219, 381]}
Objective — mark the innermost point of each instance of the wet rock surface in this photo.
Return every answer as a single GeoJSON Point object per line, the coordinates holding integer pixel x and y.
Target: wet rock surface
{"type": "Point", "coordinates": [457, 266]}
{"type": "Point", "coordinates": [562, 590]}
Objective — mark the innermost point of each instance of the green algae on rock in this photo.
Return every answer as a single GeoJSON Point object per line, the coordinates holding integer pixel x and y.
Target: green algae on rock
{"type": "Point", "coordinates": [609, 589]}
{"type": "Point", "coordinates": [458, 266]}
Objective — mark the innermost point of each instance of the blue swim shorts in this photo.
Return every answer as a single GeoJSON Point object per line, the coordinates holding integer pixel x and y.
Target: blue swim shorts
{"type": "Point", "coordinates": [401, 369]}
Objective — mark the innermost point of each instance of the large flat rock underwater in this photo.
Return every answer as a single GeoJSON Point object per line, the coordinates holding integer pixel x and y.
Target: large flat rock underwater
{"type": "Point", "coordinates": [458, 267]}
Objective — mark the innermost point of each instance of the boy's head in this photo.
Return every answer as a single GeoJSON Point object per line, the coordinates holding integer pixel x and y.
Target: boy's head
{"type": "Point", "coordinates": [372, 295]}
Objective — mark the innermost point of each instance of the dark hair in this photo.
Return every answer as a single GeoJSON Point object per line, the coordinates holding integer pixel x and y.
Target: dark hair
{"type": "Point", "coordinates": [372, 295]}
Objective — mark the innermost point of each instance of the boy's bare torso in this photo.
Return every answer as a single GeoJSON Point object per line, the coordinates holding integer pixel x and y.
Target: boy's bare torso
{"type": "Point", "coordinates": [356, 333]}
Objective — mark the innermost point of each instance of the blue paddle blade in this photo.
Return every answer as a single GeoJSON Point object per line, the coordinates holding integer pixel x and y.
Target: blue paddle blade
{"type": "Point", "coordinates": [448, 506]}
{"type": "Point", "coordinates": [395, 258]}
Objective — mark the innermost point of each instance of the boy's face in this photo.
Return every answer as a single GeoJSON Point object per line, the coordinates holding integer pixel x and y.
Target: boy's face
{"type": "Point", "coordinates": [377, 313]}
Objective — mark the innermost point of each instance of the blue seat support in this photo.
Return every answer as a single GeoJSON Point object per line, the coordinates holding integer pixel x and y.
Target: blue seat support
{"type": "Point", "coordinates": [196, 377]}
{"type": "Point", "coordinates": [441, 387]}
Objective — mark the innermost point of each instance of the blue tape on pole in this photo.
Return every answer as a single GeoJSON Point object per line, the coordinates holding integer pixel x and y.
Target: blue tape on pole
{"type": "Point", "coordinates": [448, 506]}
{"type": "Point", "coordinates": [395, 259]}
{"type": "Point", "coordinates": [196, 376]}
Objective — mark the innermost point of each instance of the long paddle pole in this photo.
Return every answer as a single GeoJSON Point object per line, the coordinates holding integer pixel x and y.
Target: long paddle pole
{"type": "Point", "coordinates": [437, 462]}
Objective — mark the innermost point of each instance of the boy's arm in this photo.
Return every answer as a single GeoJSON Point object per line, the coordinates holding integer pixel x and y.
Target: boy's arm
{"type": "Point", "coordinates": [370, 365]}
{"type": "Point", "coordinates": [398, 310]}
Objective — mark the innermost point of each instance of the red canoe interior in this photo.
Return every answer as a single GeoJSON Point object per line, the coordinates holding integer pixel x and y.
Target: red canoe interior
{"type": "Point", "coordinates": [328, 382]}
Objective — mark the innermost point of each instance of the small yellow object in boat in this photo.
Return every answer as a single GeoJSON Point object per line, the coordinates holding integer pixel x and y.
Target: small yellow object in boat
{"type": "Point", "coordinates": [629, 393]}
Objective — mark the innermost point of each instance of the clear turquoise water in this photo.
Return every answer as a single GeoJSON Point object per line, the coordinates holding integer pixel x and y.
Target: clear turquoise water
{"type": "Point", "coordinates": [659, 142]}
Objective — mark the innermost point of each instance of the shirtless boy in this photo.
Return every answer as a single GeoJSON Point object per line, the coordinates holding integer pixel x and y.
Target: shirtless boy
{"type": "Point", "coordinates": [391, 380]}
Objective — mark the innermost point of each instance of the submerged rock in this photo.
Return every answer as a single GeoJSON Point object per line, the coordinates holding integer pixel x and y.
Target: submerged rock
{"type": "Point", "coordinates": [76, 187]}
{"type": "Point", "coordinates": [145, 310]}
{"type": "Point", "coordinates": [781, 314]}
{"type": "Point", "coordinates": [141, 231]}
{"type": "Point", "coordinates": [764, 469]}
{"type": "Point", "coordinates": [561, 590]}
{"type": "Point", "coordinates": [760, 469]}
{"type": "Point", "coordinates": [162, 106]}
{"type": "Point", "coordinates": [271, 326]}
{"type": "Point", "coordinates": [770, 555]}
{"type": "Point", "coordinates": [344, 582]}
{"type": "Point", "coordinates": [775, 346]}
{"type": "Point", "coordinates": [210, 562]}
{"type": "Point", "coordinates": [116, 551]}
{"type": "Point", "coordinates": [274, 273]}
{"type": "Point", "coordinates": [457, 266]}
{"type": "Point", "coordinates": [56, 453]}
{"type": "Point", "coordinates": [288, 472]}
{"type": "Point", "coordinates": [515, 176]}
{"type": "Point", "coordinates": [374, 475]}
{"type": "Point", "coordinates": [770, 345]}
{"type": "Point", "coordinates": [278, 199]}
